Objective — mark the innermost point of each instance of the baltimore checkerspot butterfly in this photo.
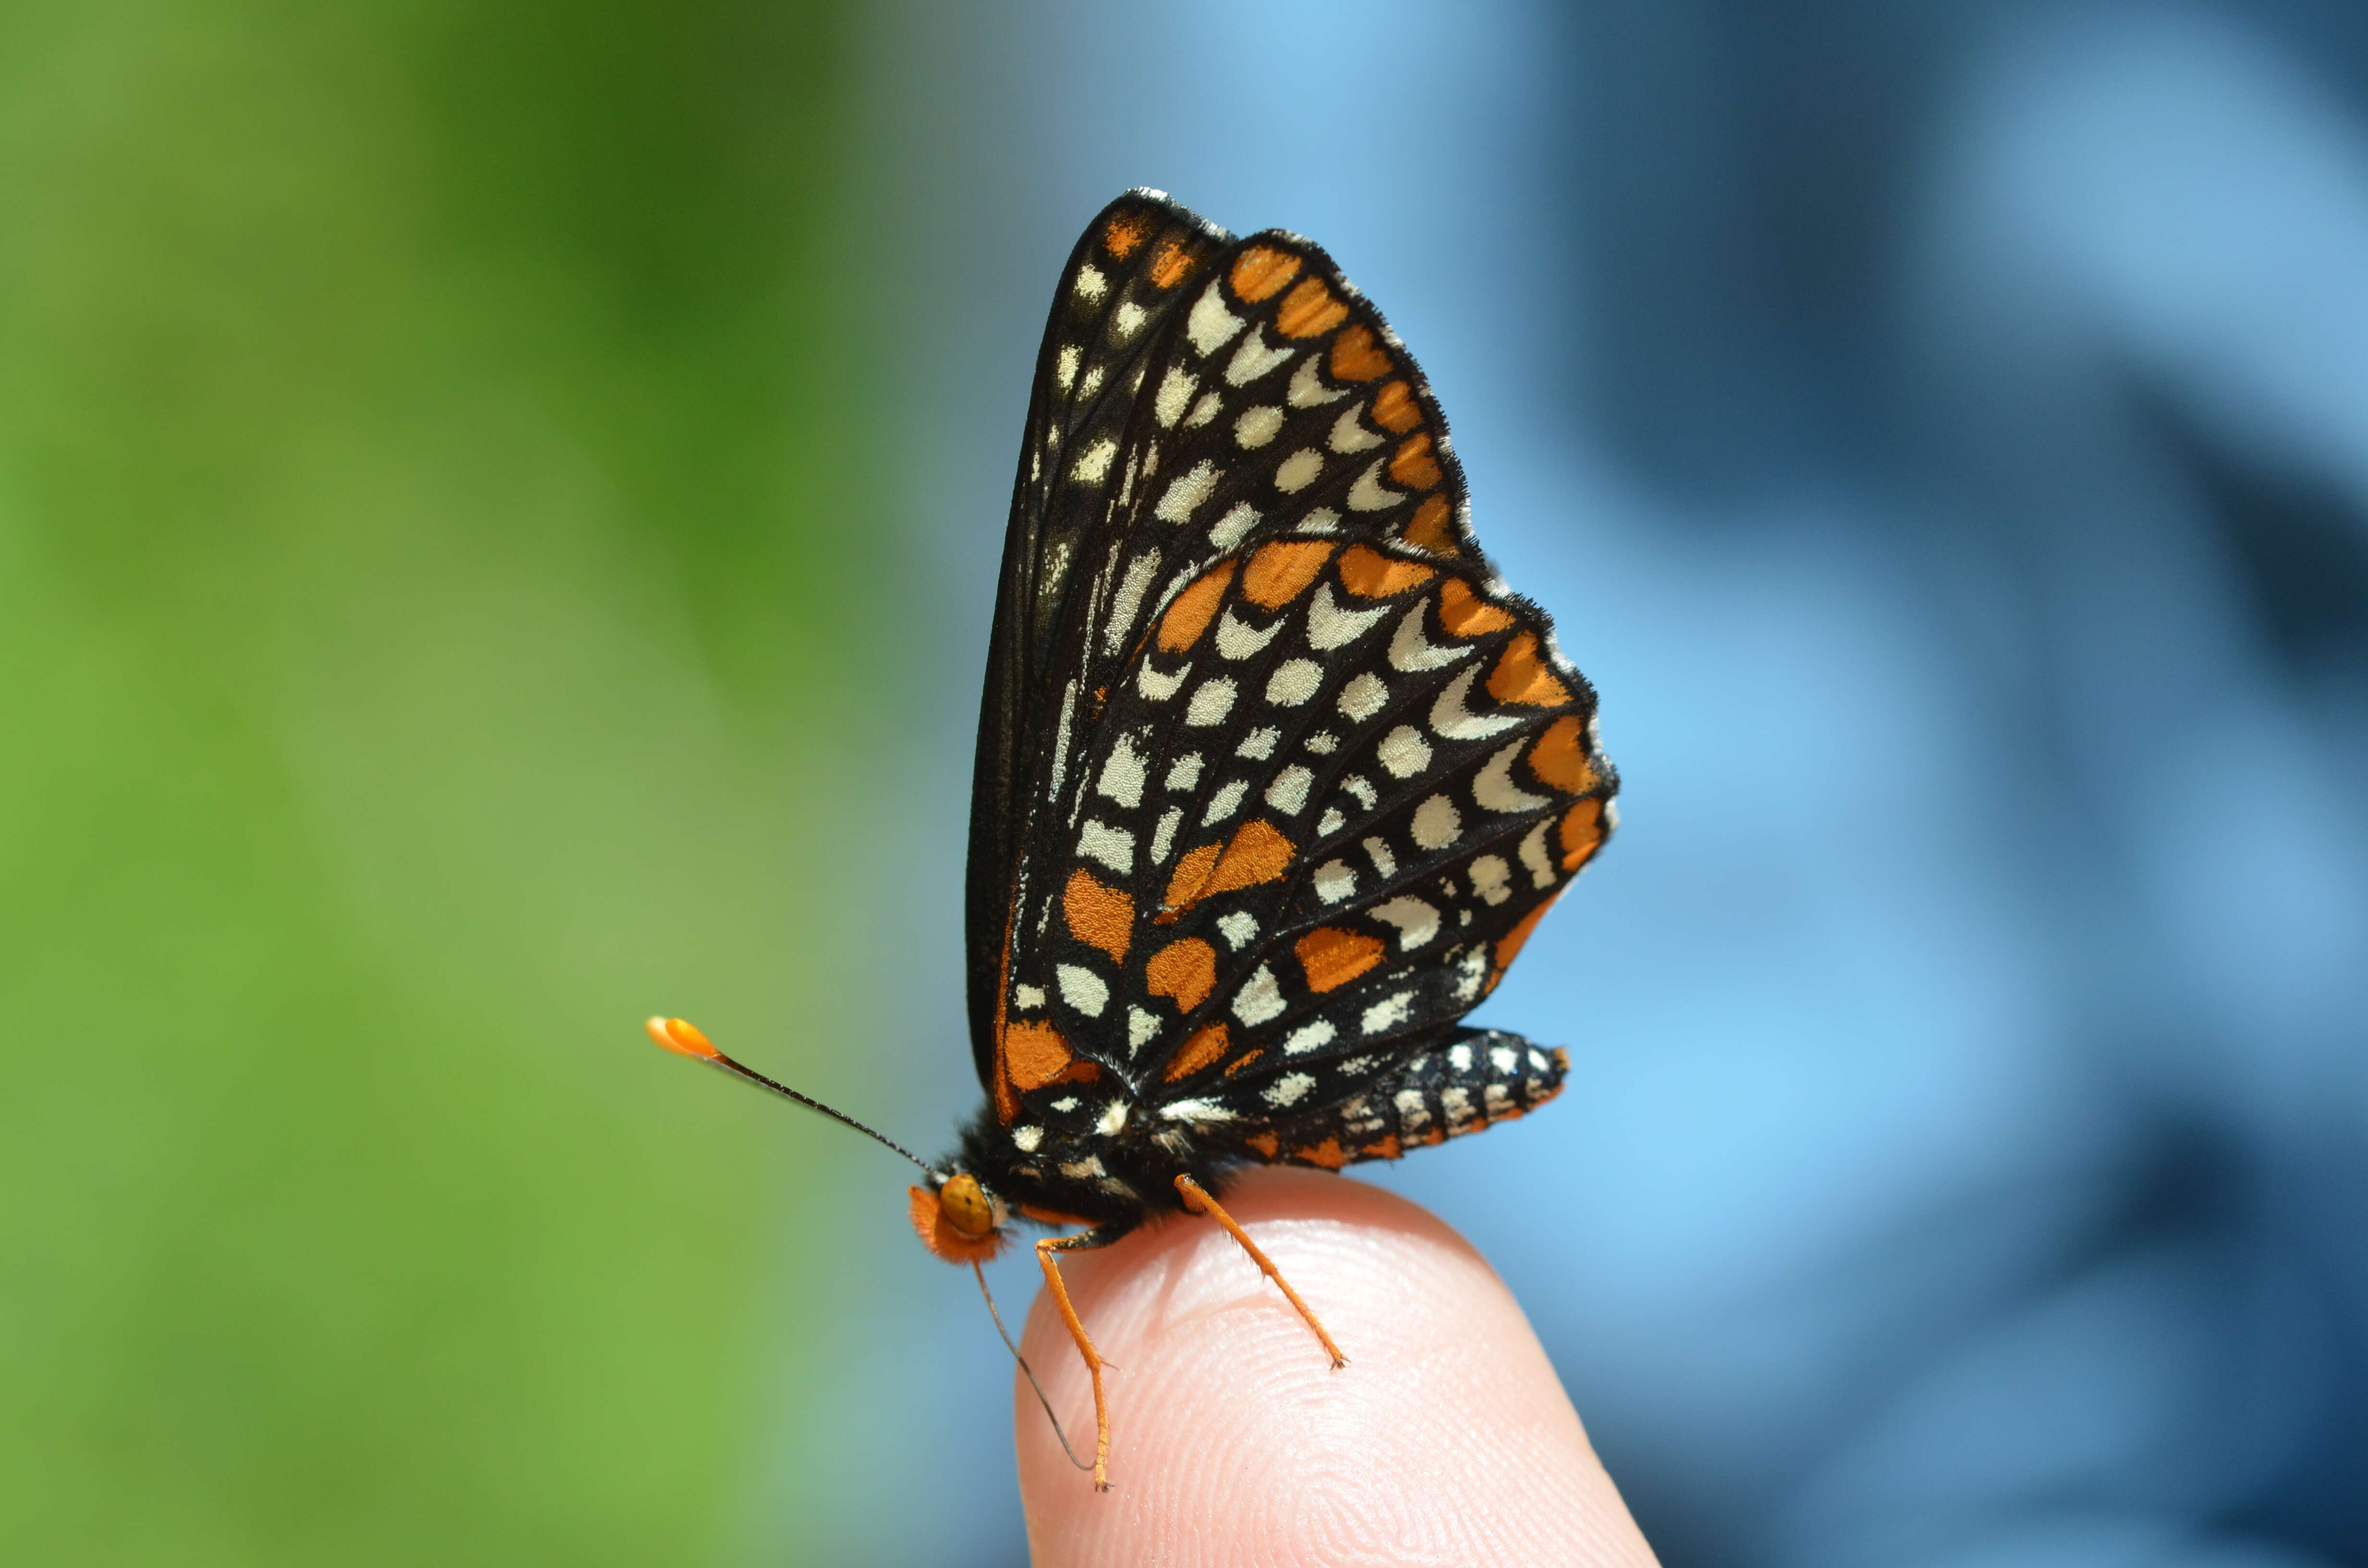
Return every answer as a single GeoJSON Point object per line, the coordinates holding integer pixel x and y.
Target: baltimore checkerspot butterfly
{"type": "Point", "coordinates": [1275, 776]}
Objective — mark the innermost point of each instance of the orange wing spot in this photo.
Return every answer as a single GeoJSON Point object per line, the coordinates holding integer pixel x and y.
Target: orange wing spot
{"type": "Point", "coordinates": [1206, 1046]}
{"type": "Point", "coordinates": [1186, 970]}
{"type": "Point", "coordinates": [1184, 887]}
{"type": "Point", "coordinates": [1099, 916]}
{"type": "Point", "coordinates": [1414, 467]}
{"type": "Point", "coordinates": [1258, 854]}
{"type": "Point", "coordinates": [1560, 756]}
{"type": "Point", "coordinates": [1509, 946]}
{"type": "Point", "coordinates": [1309, 310]}
{"type": "Point", "coordinates": [1369, 574]}
{"type": "Point", "coordinates": [1328, 1153]}
{"type": "Point", "coordinates": [681, 1036]}
{"type": "Point", "coordinates": [1333, 957]}
{"type": "Point", "coordinates": [1281, 571]}
{"type": "Point", "coordinates": [1387, 1149]}
{"type": "Point", "coordinates": [1395, 409]}
{"type": "Point", "coordinates": [1193, 608]}
{"type": "Point", "coordinates": [1582, 834]}
{"type": "Point", "coordinates": [1357, 357]}
{"type": "Point", "coordinates": [1429, 529]}
{"type": "Point", "coordinates": [1034, 1054]}
{"type": "Point", "coordinates": [1262, 269]}
{"type": "Point", "coordinates": [1171, 265]}
{"type": "Point", "coordinates": [938, 1233]}
{"type": "Point", "coordinates": [1466, 614]}
{"type": "Point", "coordinates": [1266, 1143]}
{"type": "Point", "coordinates": [1244, 1060]}
{"type": "Point", "coordinates": [1523, 676]}
{"type": "Point", "coordinates": [1125, 234]}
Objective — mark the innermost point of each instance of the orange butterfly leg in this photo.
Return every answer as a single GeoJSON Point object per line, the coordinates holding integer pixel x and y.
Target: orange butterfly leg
{"type": "Point", "coordinates": [1196, 1199]}
{"type": "Point", "coordinates": [1044, 1251]}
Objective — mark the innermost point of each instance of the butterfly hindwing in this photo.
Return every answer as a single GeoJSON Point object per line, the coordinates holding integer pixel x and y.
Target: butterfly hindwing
{"type": "Point", "coordinates": [1316, 816]}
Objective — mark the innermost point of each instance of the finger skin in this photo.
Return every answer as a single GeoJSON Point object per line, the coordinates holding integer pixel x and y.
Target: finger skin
{"type": "Point", "coordinates": [1447, 1439]}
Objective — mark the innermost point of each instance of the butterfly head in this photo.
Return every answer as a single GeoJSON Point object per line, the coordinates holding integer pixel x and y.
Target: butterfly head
{"type": "Point", "coordinates": [960, 1219]}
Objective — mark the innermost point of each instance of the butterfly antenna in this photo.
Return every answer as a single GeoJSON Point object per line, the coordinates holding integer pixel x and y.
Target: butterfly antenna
{"type": "Point", "coordinates": [1025, 1369]}
{"type": "Point", "coordinates": [682, 1036]}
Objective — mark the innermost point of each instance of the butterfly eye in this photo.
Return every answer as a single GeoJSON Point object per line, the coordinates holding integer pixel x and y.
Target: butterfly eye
{"type": "Point", "coordinates": [966, 1206]}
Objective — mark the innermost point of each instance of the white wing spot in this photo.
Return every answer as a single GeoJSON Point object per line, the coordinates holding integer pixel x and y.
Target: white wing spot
{"type": "Point", "coordinates": [1533, 856]}
{"type": "Point", "coordinates": [1329, 626]}
{"type": "Point", "coordinates": [1357, 784]}
{"type": "Point", "coordinates": [1491, 878]}
{"type": "Point", "coordinates": [1113, 847]}
{"type": "Point", "coordinates": [1225, 803]}
{"type": "Point", "coordinates": [1158, 688]}
{"type": "Point", "coordinates": [1288, 793]}
{"type": "Point", "coordinates": [1453, 719]}
{"type": "Point", "coordinates": [1363, 697]}
{"type": "Point", "coordinates": [1436, 824]}
{"type": "Point", "coordinates": [1389, 1013]}
{"type": "Point", "coordinates": [1210, 326]}
{"type": "Point", "coordinates": [1293, 682]}
{"type": "Point", "coordinates": [1163, 836]}
{"type": "Point", "coordinates": [1308, 390]}
{"type": "Point", "coordinates": [1196, 1110]}
{"type": "Point", "coordinates": [1128, 320]}
{"type": "Point", "coordinates": [1238, 926]}
{"type": "Point", "coordinates": [1385, 863]}
{"type": "Point", "coordinates": [1211, 702]}
{"type": "Point", "coordinates": [1091, 284]}
{"type": "Point", "coordinates": [1128, 600]}
{"type": "Point", "coordinates": [1335, 879]}
{"type": "Point", "coordinates": [1322, 520]}
{"type": "Point", "coordinates": [1121, 778]}
{"type": "Point", "coordinates": [1417, 921]}
{"type": "Point", "coordinates": [1367, 494]}
{"type": "Point", "coordinates": [1298, 471]}
{"type": "Point", "coordinates": [1330, 823]}
{"type": "Point", "coordinates": [1258, 745]}
{"type": "Point", "coordinates": [1309, 1037]}
{"type": "Point", "coordinates": [1026, 1139]}
{"type": "Point", "coordinates": [1186, 491]}
{"type": "Point", "coordinates": [1208, 408]}
{"type": "Point", "coordinates": [1495, 789]}
{"type": "Point", "coordinates": [1235, 526]}
{"type": "Point", "coordinates": [1175, 392]}
{"type": "Point", "coordinates": [1254, 359]}
{"type": "Point", "coordinates": [1064, 367]}
{"type": "Point", "coordinates": [1404, 752]}
{"type": "Point", "coordinates": [1410, 650]}
{"type": "Point", "coordinates": [1323, 742]}
{"type": "Point", "coordinates": [1288, 1089]}
{"type": "Point", "coordinates": [1185, 771]}
{"type": "Point", "coordinates": [1027, 998]}
{"type": "Point", "coordinates": [1092, 465]}
{"type": "Point", "coordinates": [1142, 1027]}
{"type": "Point", "coordinates": [1259, 425]}
{"type": "Point", "coordinates": [1349, 435]}
{"type": "Point", "coordinates": [1083, 989]}
{"type": "Point", "coordinates": [1237, 640]}
{"type": "Point", "coordinates": [1260, 999]}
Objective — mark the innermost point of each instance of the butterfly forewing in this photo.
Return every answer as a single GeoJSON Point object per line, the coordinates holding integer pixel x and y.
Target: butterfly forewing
{"type": "Point", "coordinates": [1282, 776]}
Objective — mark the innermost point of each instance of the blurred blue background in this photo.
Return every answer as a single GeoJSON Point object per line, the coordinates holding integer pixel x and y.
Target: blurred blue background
{"type": "Point", "coordinates": [497, 514]}
{"type": "Point", "coordinates": [1943, 433]}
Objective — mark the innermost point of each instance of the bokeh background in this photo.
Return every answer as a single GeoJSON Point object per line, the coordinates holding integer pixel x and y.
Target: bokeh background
{"type": "Point", "coordinates": [498, 512]}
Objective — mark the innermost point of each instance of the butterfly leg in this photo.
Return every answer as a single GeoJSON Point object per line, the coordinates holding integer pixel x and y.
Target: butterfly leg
{"type": "Point", "coordinates": [1083, 1242]}
{"type": "Point", "coordinates": [1196, 1199]}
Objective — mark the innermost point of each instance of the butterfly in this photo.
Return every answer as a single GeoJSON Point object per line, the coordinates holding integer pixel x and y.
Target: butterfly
{"type": "Point", "coordinates": [1274, 776]}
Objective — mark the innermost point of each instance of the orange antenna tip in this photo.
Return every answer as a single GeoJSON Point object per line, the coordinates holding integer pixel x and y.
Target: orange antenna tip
{"type": "Point", "coordinates": [681, 1036]}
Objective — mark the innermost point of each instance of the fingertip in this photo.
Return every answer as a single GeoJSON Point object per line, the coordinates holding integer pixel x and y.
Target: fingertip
{"type": "Point", "coordinates": [1447, 1437]}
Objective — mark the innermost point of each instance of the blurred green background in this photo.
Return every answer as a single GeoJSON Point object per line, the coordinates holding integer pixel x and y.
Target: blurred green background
{"type": "Point", "coordinates": [427, 542]}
